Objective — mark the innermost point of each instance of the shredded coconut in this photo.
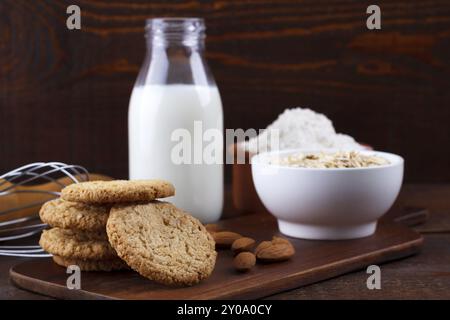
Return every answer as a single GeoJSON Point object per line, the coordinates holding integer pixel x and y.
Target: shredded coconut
{"type": "Point", "coordinates": [302, 128]}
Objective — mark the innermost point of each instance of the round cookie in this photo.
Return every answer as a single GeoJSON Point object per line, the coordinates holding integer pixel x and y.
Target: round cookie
{"type": "Point", "coordinates": [92, 265]}
{"type": "Point", "coordinates": [101, 192]}
{"type": "Point", "coordinates": [161, 242]}
{"type": "Point", "coordinates": [74, 215]}
{"type": "Point", "coordinates": [77, 245]}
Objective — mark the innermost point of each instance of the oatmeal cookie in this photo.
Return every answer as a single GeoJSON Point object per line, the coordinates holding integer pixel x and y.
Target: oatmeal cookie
{"type": "Point", "coordinates": [74, 215]}
{"type": "Point", "coordinates": [77, 245]}
{"type": "Point", "coordinates": [161, 242]}
{"type": "Point", "coordinates": [116, 191]}
{"type": "Point", "coordinates": [92, 265]}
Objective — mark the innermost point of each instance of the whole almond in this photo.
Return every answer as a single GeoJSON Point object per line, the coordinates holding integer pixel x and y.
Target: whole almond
{"type": "Point", "coordinates": [276, 240]}
{"type": "Point", "coordinates": [212, 227]}
{"type": "Point", "coordinates": [262, 246]}
{"type": "Point", "coordinates": [242, 244]}
{"type": "Point", "coordinates": [244, 261]}
{"type": "Point", "coordinates": [224, 239]}
{"type": "Point", "coordinates": [279, 249]}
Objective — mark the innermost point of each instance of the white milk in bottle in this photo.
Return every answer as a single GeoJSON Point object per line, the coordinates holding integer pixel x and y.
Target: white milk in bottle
{"type": "Point", "coordinates": [174, 102]}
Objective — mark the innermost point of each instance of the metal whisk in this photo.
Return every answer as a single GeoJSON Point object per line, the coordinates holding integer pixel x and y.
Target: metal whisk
{"type": "Point", "coordinates": [22, 192]}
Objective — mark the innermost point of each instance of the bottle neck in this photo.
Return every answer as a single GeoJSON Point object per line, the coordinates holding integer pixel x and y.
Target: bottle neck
{"type": "Point", "coordinates": [163, 43]}
{"type": "Point", "coordinates": [164, 33]}
{"type": "Point", "coordinates": [175, 53]}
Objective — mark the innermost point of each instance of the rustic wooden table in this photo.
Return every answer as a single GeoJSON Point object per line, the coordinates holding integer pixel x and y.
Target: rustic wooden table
{"type": "Point", "coordinates": [424, 276]}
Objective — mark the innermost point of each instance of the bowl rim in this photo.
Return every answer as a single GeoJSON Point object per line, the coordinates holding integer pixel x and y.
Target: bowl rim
{"type": "Point", "coordinates": [394, 159]}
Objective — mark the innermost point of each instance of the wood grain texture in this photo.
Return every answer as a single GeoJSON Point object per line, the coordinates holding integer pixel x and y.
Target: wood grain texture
{"type": "Point", "coordinates": [314, 261]}
{"type": "Point", "coordinates": [64, 94]}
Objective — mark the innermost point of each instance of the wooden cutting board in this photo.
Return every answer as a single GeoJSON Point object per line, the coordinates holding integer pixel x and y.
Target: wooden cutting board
{"type": "Point", "coordinates": [314, 261]}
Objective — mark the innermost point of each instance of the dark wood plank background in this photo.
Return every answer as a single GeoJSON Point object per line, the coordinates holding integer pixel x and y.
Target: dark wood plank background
{"type": "Point", "coordinates": [64, 94]}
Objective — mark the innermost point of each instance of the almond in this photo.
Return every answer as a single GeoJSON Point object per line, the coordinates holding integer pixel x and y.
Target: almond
{"type": "Point", "coordinates": [279, 249]}
{"type": "Point", "coordinates": [224, 239]}
{"type": "Point", "coordinates": [276, 240]}
{"type": "Point", "coordinates": [262, 246]}
{"type": "Point", "coordinates": [212, 227]}
{"type": "Point", "coordinates": [242, 244]}
{"type": "Point", "coordinates": [244, 261]}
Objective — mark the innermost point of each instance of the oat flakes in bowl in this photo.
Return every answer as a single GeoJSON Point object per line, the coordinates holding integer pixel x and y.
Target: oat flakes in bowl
{"type": "Point", "coordinates": [323, 160]}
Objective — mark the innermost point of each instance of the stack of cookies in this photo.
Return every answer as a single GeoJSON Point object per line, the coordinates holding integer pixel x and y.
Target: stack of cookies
{"type": "Point", "coordinates": [79, 218]}
{"type": "Point", "coordinates": [112, 225]}
{"type": "Point", "coordinates": [78, 236]}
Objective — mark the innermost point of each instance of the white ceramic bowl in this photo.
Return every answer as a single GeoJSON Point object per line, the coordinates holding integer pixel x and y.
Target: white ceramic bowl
{"type": "Point", "coordinates": [327, 204]}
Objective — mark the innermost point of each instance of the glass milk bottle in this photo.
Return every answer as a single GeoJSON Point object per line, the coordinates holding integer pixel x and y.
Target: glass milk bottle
{"type": "Point", "coordinates": [175, 118]}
